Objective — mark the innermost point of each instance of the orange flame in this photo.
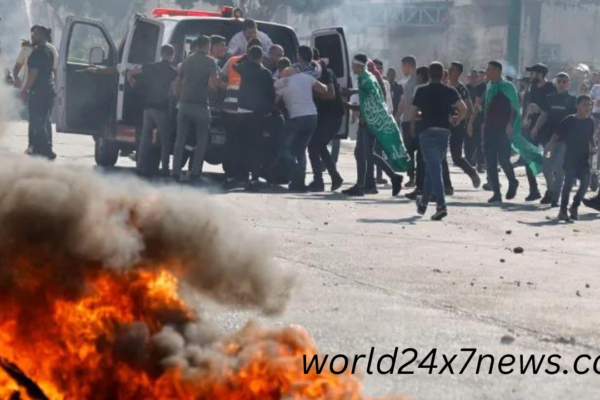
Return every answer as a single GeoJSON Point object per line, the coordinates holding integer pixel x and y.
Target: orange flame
{"type": "Point", "coordinates": [67, 346]}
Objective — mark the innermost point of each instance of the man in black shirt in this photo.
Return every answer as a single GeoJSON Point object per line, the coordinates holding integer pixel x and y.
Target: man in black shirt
{"type": "Point", "coordinates": [577, 132]}
{"type": "Point", "coordinates": [475, 151]}
{"type": "Point", "coordinates": [397, 89]}
{"type": "Point", "coordinates": [256, 101]}
{"type": "Point", "coordinates": [498, 127]}
{"type": "Point", "coordinates": [556, 107]}
{"type": "Point", "coordinates": [540, 89]}
{"type": "Point", "coordinates": [459, 132]}
{"type": "Point", "coordinates": [330, 109]}
{"type": "Point", "coordinates": [156, 80]}
{"type": "Point", "coordinates": [39, 91]}
{"type": "Point", "coordinates": [436, 103]}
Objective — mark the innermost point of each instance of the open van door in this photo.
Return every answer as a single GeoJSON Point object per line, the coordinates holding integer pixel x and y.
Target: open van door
{"type": "Point", "coordinates": [142, 46]}
{"type": "Point", "coordinates": [331, 43]}
{"type": "Point", "coordinates": [85, 100]}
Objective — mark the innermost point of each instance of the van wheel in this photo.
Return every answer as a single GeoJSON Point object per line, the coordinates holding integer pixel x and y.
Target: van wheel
{"type": "Point", "coordinates": [106, 152]}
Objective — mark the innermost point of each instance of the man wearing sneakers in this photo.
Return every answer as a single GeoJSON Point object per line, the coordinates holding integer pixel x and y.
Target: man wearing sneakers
{"type": "Point", "coordinates": [498, 127]}
{"type": "Point", "coordinates": [577, 132]}
{"type": "Point", "coordinates": [556, 108]}
{"type": "Point", "coordinates": [459, 133]}
{"type": "Point", "coordinates": [540, 89]}
{"type": "Point", "coordinates": [436, 102]}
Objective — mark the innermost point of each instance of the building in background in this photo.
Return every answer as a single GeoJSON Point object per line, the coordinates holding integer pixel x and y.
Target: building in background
{"type": "Point", "coordinates": [560, 33]}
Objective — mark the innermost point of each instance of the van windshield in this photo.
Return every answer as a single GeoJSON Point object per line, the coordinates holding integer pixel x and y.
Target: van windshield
{"type": "Point", "coordinates": [186, 31]}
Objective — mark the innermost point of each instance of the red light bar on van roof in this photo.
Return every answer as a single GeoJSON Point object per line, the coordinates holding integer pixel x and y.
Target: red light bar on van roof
{"type": "Point", "coordinates": [172, 12]}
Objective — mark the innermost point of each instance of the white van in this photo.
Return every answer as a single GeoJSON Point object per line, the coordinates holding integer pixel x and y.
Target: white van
{"type": "Point", "coordinates": [109, 109]}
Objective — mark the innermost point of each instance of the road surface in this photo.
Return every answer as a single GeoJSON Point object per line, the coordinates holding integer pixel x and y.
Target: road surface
{"type": "Point", "coordinates": [372, 274]}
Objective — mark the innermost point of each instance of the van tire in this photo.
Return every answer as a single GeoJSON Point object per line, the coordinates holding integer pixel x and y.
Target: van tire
{"type": "Point", "coordinates": [106, 152]}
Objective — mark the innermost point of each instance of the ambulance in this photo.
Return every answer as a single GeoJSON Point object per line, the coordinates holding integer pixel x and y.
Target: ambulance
{"type": "Point", "coordinates": [107, 108]}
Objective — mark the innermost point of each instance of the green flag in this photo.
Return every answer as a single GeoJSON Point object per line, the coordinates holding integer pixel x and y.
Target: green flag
{"type": "Point", "coordinates": [532, 155]}
{"type": "Point", "coordinates": [381, 123]}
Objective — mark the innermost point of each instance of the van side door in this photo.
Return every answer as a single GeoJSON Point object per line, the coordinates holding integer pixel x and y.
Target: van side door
{"type": "Point", "coordinates": [85, 100]}
{"type": "Point", "coordinates": [331, 43]}
{"type": "Point", "coordinates": [142, 46]}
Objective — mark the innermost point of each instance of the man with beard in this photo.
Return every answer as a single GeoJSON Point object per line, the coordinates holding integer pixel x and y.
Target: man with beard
{"type": "Point", "coordinates": [556, 108]}
{"type": "Point", "coordinates": [540, 89]}
{"type": "Point", "coordinates": [276, 53]}
{"type": "Point", "coordinates": [459, 132]}
{"type": "Point", "coordinates": [38, 90]}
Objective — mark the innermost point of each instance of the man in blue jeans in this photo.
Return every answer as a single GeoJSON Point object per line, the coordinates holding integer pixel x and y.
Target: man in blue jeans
{"type": "Point", "coordinates": [296, 90]}
{"type": "Point", "coordinates": [436, 102]}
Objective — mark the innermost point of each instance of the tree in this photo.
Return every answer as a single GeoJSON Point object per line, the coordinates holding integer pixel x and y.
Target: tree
{"type": "Point", "coordinates": [266, 9]}
{"type": "Point", "coordinates": [114, 13]}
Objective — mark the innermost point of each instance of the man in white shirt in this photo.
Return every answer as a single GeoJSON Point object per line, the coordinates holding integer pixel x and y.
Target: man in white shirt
{"type": "Point", "coordinates": [409, 68]}
{"type": "Point", "coordinates": [296, 90]}
{"type": "Point", "coordinates": [239, 42]}
{"type": "Point", "coordinates": [595, 95]}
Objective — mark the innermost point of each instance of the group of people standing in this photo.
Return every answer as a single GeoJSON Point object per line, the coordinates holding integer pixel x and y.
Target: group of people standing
{"type": "Point", "coordinates": [483, 124]}
{"type": "Point", "coordinates": [298, 104]}
{"type": "Point", "coordinates": [403, 128]}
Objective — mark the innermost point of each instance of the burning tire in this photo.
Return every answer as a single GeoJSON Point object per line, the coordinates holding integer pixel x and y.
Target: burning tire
{"type": "Point", "coordinates": [106, 152]}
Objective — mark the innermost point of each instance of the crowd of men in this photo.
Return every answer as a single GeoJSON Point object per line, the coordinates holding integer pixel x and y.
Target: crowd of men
{"type": "Point", "coordinates": [301, 106]}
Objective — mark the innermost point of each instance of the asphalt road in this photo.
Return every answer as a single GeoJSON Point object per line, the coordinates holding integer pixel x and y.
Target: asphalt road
{"type": "Point", "coordinates": [372, 274]}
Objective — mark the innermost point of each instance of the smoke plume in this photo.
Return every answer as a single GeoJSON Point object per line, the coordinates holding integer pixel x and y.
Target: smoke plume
{"type": "Point", "coordinates": [78, 221]}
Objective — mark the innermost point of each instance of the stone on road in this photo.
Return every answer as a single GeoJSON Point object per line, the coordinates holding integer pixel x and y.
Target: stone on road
{"type": "Point", "coordinates": [373, 274]}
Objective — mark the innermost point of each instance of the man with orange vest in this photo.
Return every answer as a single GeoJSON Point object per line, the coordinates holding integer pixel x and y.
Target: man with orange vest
{"type": "Point", "coordinates": [232, 165]}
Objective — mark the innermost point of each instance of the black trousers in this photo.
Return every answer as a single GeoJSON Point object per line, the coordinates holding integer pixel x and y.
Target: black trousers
{"type": "Point", "coordinates": [233, 162]}
{"type": "Point", "coordinates": [411, 144]}
{"type": "Point", "coordinates": [319, 152]}
{"type": "Point", "coordinates": [531, 178]}
{"type": "Point", "coordinates": [497, 151]}
{"type": "Point", "coordinates": [251, 139]}
{"type": "Point", "coordinates": [474, 152]}
{"type": "Point", "coordinates": [40, 128]}
{"type": "Point", "coordinates": [457, 140]}
{"type": "Point", "coordinates": [366, 158]}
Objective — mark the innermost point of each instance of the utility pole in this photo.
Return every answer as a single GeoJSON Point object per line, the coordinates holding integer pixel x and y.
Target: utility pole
{"type": "Point", "coordinates": [515, 15]}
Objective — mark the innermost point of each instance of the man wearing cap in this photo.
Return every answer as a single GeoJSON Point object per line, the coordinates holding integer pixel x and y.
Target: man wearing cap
{"type": "Point", "coordinates": [540, 89]}
{"type": "Point", "coordinates": [556, 108]}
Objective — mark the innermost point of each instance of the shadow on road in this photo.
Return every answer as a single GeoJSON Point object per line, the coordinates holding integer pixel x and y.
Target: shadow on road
{"type": "Point", "coordinates": [403, 221]}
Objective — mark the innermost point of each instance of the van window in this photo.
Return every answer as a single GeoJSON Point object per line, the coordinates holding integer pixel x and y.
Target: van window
{"type": "Point", "coordinates": [144, 43]}
{"type": "Point", "coordinates": [187, 31]}
{"type": "Point", "coordinates": [83, 39]}
{"type": "Point", "coordinates": [330, 47]}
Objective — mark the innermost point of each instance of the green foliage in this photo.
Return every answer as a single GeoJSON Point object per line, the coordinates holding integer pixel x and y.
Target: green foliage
{"type": "Point", "coordinates": [112, 12]}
